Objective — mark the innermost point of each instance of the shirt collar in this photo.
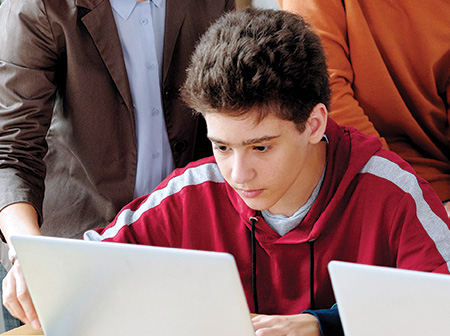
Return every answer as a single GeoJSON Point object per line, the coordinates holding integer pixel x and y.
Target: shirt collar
{"type": "Point", "coordinates": [125, 7]}
{"type": "Point", "coordinates": [157, 3]}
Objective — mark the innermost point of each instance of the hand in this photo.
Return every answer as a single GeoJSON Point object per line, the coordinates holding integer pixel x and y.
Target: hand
{"type": "Point", "coordinates": [286, 325]}
{"type": "Point", "coordinates": [447, 207]}
{"type": "Point", "coordinates": [17, 299]}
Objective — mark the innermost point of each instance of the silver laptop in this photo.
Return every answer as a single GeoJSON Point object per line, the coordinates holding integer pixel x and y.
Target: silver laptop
{"type": "Point", "coordinates": [105, 289]}
{"type": "Point", "coordinates": [376, 300]}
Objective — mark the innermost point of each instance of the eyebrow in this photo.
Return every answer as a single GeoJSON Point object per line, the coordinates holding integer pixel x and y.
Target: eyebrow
{"type": "Point", "coordinates": [247, 142]}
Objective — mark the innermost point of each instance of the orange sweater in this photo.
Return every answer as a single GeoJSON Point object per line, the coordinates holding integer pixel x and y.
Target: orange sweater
{"type": "Point", "coordinates": [389, 63]}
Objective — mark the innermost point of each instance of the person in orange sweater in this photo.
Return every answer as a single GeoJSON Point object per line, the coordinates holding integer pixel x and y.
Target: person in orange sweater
{"type": "Point", "coordinates": [389, 65]}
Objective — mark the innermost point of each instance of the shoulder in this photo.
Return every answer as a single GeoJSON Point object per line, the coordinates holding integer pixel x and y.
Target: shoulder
{"type": "Point", "coordinates": [34, 7]}
{"type": "Point", "coordinates": [394, 176]}
{"type": "Point", "coordinates": [195, 173]}
{"type": "Point", "coordinates": [389, 166]}
{"type": "Point", "coordinates": [32, 14]}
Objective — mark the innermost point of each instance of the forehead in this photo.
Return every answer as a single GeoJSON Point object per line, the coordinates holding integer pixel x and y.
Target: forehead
{"type": "Point", "coordinates": [233, 130]}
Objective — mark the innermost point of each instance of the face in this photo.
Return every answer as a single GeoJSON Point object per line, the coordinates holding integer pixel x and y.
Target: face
{"type": "Point", "coordinates": [270, 164]}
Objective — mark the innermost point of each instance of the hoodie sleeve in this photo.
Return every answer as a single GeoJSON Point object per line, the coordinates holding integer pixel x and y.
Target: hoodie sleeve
{"type": "Point", "coordinates": [329, 321]}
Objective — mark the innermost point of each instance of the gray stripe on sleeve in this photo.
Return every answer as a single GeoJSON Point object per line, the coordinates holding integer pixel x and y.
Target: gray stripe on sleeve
{"type": "Point", "coordinates": [192, 176]}
{"type": "Point", "coordinates": [433, 224]}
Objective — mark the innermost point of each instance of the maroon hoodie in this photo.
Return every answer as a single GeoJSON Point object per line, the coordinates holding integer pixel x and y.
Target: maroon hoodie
{"type": "Point", "coordinates": [372, 208]}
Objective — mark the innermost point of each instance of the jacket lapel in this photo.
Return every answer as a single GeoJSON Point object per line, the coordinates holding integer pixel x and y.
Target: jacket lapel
{"type": "Point", "coordinates": [98, 19]}
{"type": "Point", "coordinates": [175, 14]}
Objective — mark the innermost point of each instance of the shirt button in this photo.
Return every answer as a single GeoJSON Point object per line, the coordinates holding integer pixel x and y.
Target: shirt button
{"type": "Point", "coordinates": [155, 155]}
{"type": "Point", "coordinates": [144, 21]}
{"type": "Point", "coordinates": [155, 112]}
{"type": "Point", "coordinates": [151, 67]}
{"type": "Point", "coordinates": [167, 92]}
{"type": "Point", "coordinates": [179, 146]}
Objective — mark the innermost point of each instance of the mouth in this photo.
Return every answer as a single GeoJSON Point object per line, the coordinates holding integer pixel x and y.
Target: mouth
{"type": "Point", "coordinates": [250, 193]}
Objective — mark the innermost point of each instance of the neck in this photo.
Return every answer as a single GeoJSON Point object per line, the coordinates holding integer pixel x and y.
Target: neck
{"type": "Point", "coordinates": [307, 181]}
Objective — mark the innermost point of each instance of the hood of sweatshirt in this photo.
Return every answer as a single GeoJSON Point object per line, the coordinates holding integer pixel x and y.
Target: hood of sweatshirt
{"type": "Point", "coordinates": [348, 151]}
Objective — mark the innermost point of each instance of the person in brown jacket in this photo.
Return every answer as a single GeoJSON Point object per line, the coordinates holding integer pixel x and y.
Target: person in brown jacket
{"type": "Point", "coordinates": [75, 126]}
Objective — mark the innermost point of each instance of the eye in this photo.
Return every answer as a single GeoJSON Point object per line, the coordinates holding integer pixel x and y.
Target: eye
{"type": "Point", "coordinates": [221, 149]}
{"type": "Point", "coordinates": [262, 149]}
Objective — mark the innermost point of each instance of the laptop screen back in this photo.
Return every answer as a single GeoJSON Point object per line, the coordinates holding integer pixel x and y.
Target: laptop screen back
{"type": "Point", "coordinates": [375, 300]}
{"type": "Point", "coordinates": [94, 289]}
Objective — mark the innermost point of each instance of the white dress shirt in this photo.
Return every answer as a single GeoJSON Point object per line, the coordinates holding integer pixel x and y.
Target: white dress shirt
{"type": "Point", "coordinates": [141, 30]}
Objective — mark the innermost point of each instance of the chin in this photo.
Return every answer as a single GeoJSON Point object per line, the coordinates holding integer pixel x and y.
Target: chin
{"type": "Point", "coordinates": [255, 205]}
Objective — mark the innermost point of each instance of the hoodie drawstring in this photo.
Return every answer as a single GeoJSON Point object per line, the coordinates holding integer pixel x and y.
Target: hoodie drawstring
{"type": "Point", "coordinates": [253, 221]}
{"type": "Point", "coordinates": [311, 275]}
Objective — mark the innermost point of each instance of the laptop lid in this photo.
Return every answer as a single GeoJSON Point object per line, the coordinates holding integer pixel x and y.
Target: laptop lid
{"type": "Point", "coordinates": [376, 300]}
{"type": "Point", "coordinates": [97, 288]}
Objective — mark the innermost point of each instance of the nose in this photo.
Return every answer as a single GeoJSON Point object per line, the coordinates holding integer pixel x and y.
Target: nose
{"type": "Point", "coordinates": [242, 169]}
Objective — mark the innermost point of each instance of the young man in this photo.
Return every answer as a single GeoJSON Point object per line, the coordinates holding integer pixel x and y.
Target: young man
{"type": "Point", "coordinates": [287, 189]}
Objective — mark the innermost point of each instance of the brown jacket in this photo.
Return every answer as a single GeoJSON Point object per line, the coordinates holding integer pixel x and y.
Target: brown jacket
{"type": "Point", "coordinates": [66, 111]}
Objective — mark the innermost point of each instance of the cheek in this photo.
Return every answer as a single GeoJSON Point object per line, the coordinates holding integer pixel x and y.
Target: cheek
{"type": "Point", "coordinates": [287, 168]}
{"type": "Point", "coordinates": [224, 167]}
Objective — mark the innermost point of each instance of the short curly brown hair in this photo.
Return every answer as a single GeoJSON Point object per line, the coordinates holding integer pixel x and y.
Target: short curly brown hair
{"type": "Point", "coordinates": [258, 58]}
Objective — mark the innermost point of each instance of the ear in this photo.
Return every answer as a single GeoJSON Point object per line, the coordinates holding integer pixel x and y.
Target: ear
{"type": "Point", "coordinates": [317, 123]}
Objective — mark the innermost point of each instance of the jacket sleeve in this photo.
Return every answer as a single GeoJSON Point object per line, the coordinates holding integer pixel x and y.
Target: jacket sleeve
{"type": "Point", "coordinates": [328, 17]}
{"type": "Point", "coordinates": [329, 321]}
{"type": "Point", "coordinates": [27, 71]}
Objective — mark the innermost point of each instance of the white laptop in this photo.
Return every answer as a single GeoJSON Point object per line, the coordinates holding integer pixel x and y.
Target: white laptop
{"type": "Point", "coordinates": [376, 300]}
{"type": "Point", "coordinates": [83, 288]}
